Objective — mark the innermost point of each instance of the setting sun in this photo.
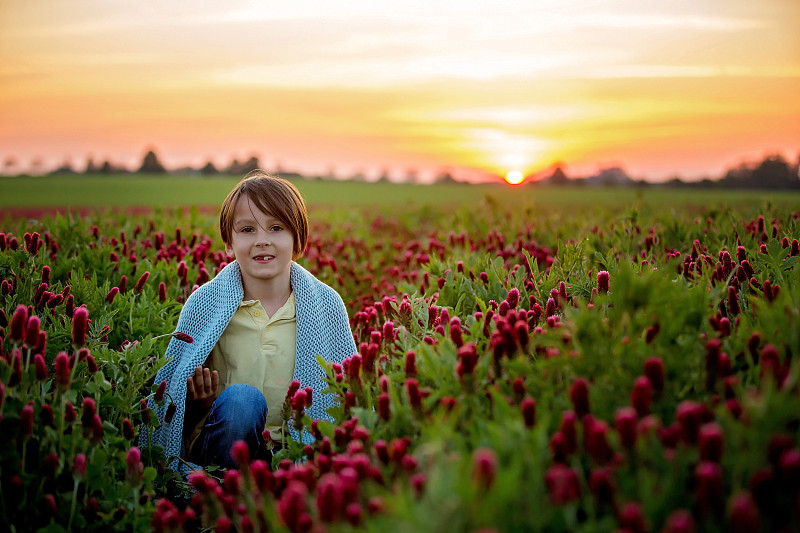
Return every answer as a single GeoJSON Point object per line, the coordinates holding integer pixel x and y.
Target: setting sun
{"type": "Point", "coordinates": [514, 177]}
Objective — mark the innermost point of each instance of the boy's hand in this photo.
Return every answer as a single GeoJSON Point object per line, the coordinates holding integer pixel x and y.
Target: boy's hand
{"type": "Point", "coordinates": [202, 387]}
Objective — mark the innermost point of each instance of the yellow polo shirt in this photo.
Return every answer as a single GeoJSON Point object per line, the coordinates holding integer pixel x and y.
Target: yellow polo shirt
{"type": "Point", "coordinates": [259, 350]}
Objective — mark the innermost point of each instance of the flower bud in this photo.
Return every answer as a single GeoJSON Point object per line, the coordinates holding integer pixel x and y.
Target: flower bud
{"type": "Point", "coordinates": [18, 323]}
{"type": "Point", "coordinates": [743, 514]}
{"type": "Point", "coordinates": [484, 467]}
{"type": "Point", "coordinates": [50, 504]}
{"type": "Point", "coordinates": [62, 370]}
{"type": "Point", "coordinates": [262, 476]}
{"type": "Point", "coordinates": [709, 487]}
{"type": "Point", "coordinates": [240, 453]}
{"type": "Point", "coordinates": [292, 505]}
{"type": "Point", "coordinates": [689, 418]}
{"type": "Point", "coordinates": [642, 396]}
{"type": "Point", "coordinates": [329, 497]}
{"type": "Point", "coordinates": [710, 442]}
{"type": "Point", "coordinates": [46, 415]}
{"type": "Point", "coordinates": [69, 413]}
{"type": "Point", "coordinates": [162, 292]}
{"type": "Point", "coordinates": [562, 484]}
{"type": "Point", "coordinates": [579, 395]}
{"type": "Point", "coordinates": [388, 332]}
{"type": "Point", "coordinates": [626, 425]}
{"type": "Point", "coordinates": [299, 401]}
{"type": "Point", "coordinates": [32, 332]}
{"type": "Point", "coordinates": [134, 466]}
{"type": "Point", "coordinates": [411, 365]}
{"type": "Point", "coordinates": [140, 283]}
{"type": "Point", "coordinates": [550, 307]}
{"type": "Point", "coordinates": [158, 397]}
{"type": "Point", "coordinates": [651, 332]}
{"type": "Point", "coordinates": [79, 467]}
{"type": "Point", "coordinates": [26, 421]}
{"type": "Point", "coordinates": [384, 410]}
{"type": "Point", "coordinates": [568, 428]}
{"type": "Point", "coordinates": [112, 293]}
{"type": "Point", "coordinates": [414, 397]}
{"type": "Point", "coordinates": [467, 359]}
{"type": "Point", "coordinates": [87, 413]}
{"type": "Point", "coordinates": [353, 514]}
{"type": "Point", "coordinates": [80, 320]}
{"type": "Point", "coordinates": [232, 482]}
{"type": "Point", "coordinates": [127, 429]}
{"type": "Point", "coordinates": [733, 301]}
{"type": "Point", "coordinates": [680, 521]}
{"type": "Point", "coordinates": [631, 518]}
{"type": "Point", "coordinates": [528, 407]}
{"type": "Point", "coordinates": [597, 443]}
{"type": "Point", "coordinates": [41, 367]}
{"type": "Point", "coordinates": [456, 333]}
{"type": "Point", "coordinates": [185, 337]}
{"type": "Point", "coordinates": [602, 486]}
{"type": "Point", "coordinates": [603, 281]}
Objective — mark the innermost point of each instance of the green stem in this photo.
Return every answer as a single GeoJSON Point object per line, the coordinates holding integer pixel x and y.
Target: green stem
{"type": "Point", "coordinates": [24, 452]}
{"type": "Point", "coordinates": [3, 501]}
{"type": "Point", "coordinates": [61, 422]}
{"type": "Point", "coordinates": [130, 316]}
{"type": "Point", "coordinates": [72, 505]}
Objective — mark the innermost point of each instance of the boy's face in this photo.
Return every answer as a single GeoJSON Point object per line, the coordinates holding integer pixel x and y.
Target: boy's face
{"type": "Point", "coordinates": [261, 244]}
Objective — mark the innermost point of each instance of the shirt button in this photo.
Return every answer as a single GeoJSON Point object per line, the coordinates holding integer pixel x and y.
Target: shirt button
{"type": "Point", "coordinates": [257, 313]}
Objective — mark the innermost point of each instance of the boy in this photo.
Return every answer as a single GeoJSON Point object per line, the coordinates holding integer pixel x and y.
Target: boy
{"type": "Point", "coordinates": [256, 326]}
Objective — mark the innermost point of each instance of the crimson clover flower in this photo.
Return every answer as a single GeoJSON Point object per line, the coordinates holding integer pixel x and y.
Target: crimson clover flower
{"type": "Point", "coordinates": [528, 407]}
{"type": "Point", "coordinates": [140, 284]}
{"type": "Point", "coordinates": [18, 323]}
{"type": "Point", "coordinates": [80, 320]}
{"type": "Point", "coordinates": [484, 467]}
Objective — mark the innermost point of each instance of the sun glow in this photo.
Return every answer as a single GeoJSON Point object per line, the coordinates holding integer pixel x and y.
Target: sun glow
{"type": "Point", "coordinates": [514, 177]}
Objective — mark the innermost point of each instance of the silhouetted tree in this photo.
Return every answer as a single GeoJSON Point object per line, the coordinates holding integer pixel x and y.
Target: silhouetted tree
{"type": "Point", "coordinates": [250, 165]}
{"type": "Point", "coordinates": [65, 168]}
{"type": "Point", "coordinates": [91, 167]}
{"type": "Point", "coordinates": [235, 168]}
{"type": "Point", "coordinates": [209, 169]}
{"type": "Point", "coordinates": [445, 177]}
{"type": "Point", "coordinates": [384, 177]}
{"type": "Point", "coordinates": [774, 173]}
{"type": "Point", "coordinates": [9, 163]}
{"type": "Point", "coordinates": [151, 164]}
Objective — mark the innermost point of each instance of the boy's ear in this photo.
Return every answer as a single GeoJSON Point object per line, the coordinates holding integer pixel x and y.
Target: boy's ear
{"type": "Point", "coordinates": [229, 251]}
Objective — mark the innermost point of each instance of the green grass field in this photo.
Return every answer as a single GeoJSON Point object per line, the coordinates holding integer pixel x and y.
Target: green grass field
{"type": "Point", "coordinates": [165, 191]}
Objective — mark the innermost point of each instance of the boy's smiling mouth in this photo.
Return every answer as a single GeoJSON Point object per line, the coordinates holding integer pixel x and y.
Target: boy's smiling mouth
{"type": "Point", "coordinates": [263, 258]}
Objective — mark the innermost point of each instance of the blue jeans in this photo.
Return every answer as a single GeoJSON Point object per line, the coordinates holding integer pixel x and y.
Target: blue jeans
{"type": "Point", "coordinates": [239, 413]}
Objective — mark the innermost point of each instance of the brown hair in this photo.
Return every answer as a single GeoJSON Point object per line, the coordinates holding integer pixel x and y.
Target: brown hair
{"type": "Point", "coordinates": [274, 196]}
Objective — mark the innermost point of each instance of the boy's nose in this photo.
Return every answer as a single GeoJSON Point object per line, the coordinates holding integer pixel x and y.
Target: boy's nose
{"type": "Point", "coordinates": [262, 238]}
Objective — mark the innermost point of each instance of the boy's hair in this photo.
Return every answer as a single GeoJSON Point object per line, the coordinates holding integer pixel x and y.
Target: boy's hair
{"type": "Point", "coordinates": [274, 196]}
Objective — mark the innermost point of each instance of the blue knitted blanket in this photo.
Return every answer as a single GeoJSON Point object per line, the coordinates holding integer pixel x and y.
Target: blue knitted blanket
{"type": "Point", "coordinates": [323, 329]}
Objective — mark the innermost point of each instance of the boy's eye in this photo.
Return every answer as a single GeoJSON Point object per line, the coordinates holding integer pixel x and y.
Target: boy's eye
{"type": "Point", "coordinates": [247, 229]}
{"type": "Point", "coordinates": [275, 228]}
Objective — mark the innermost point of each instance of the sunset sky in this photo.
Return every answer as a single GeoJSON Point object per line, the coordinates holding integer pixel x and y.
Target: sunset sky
{"type": "Point", "coordinates": [477, 88]}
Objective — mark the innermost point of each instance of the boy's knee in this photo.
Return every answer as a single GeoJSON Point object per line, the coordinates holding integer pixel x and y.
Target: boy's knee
{"type": "Point", "coordinates": [242, 399]}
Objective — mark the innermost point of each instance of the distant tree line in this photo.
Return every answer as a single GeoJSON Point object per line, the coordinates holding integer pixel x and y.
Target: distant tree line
{"type": "Point", "coordinates": [774, 172]}
{"type": "Point", "coordinates": [152, 165]}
